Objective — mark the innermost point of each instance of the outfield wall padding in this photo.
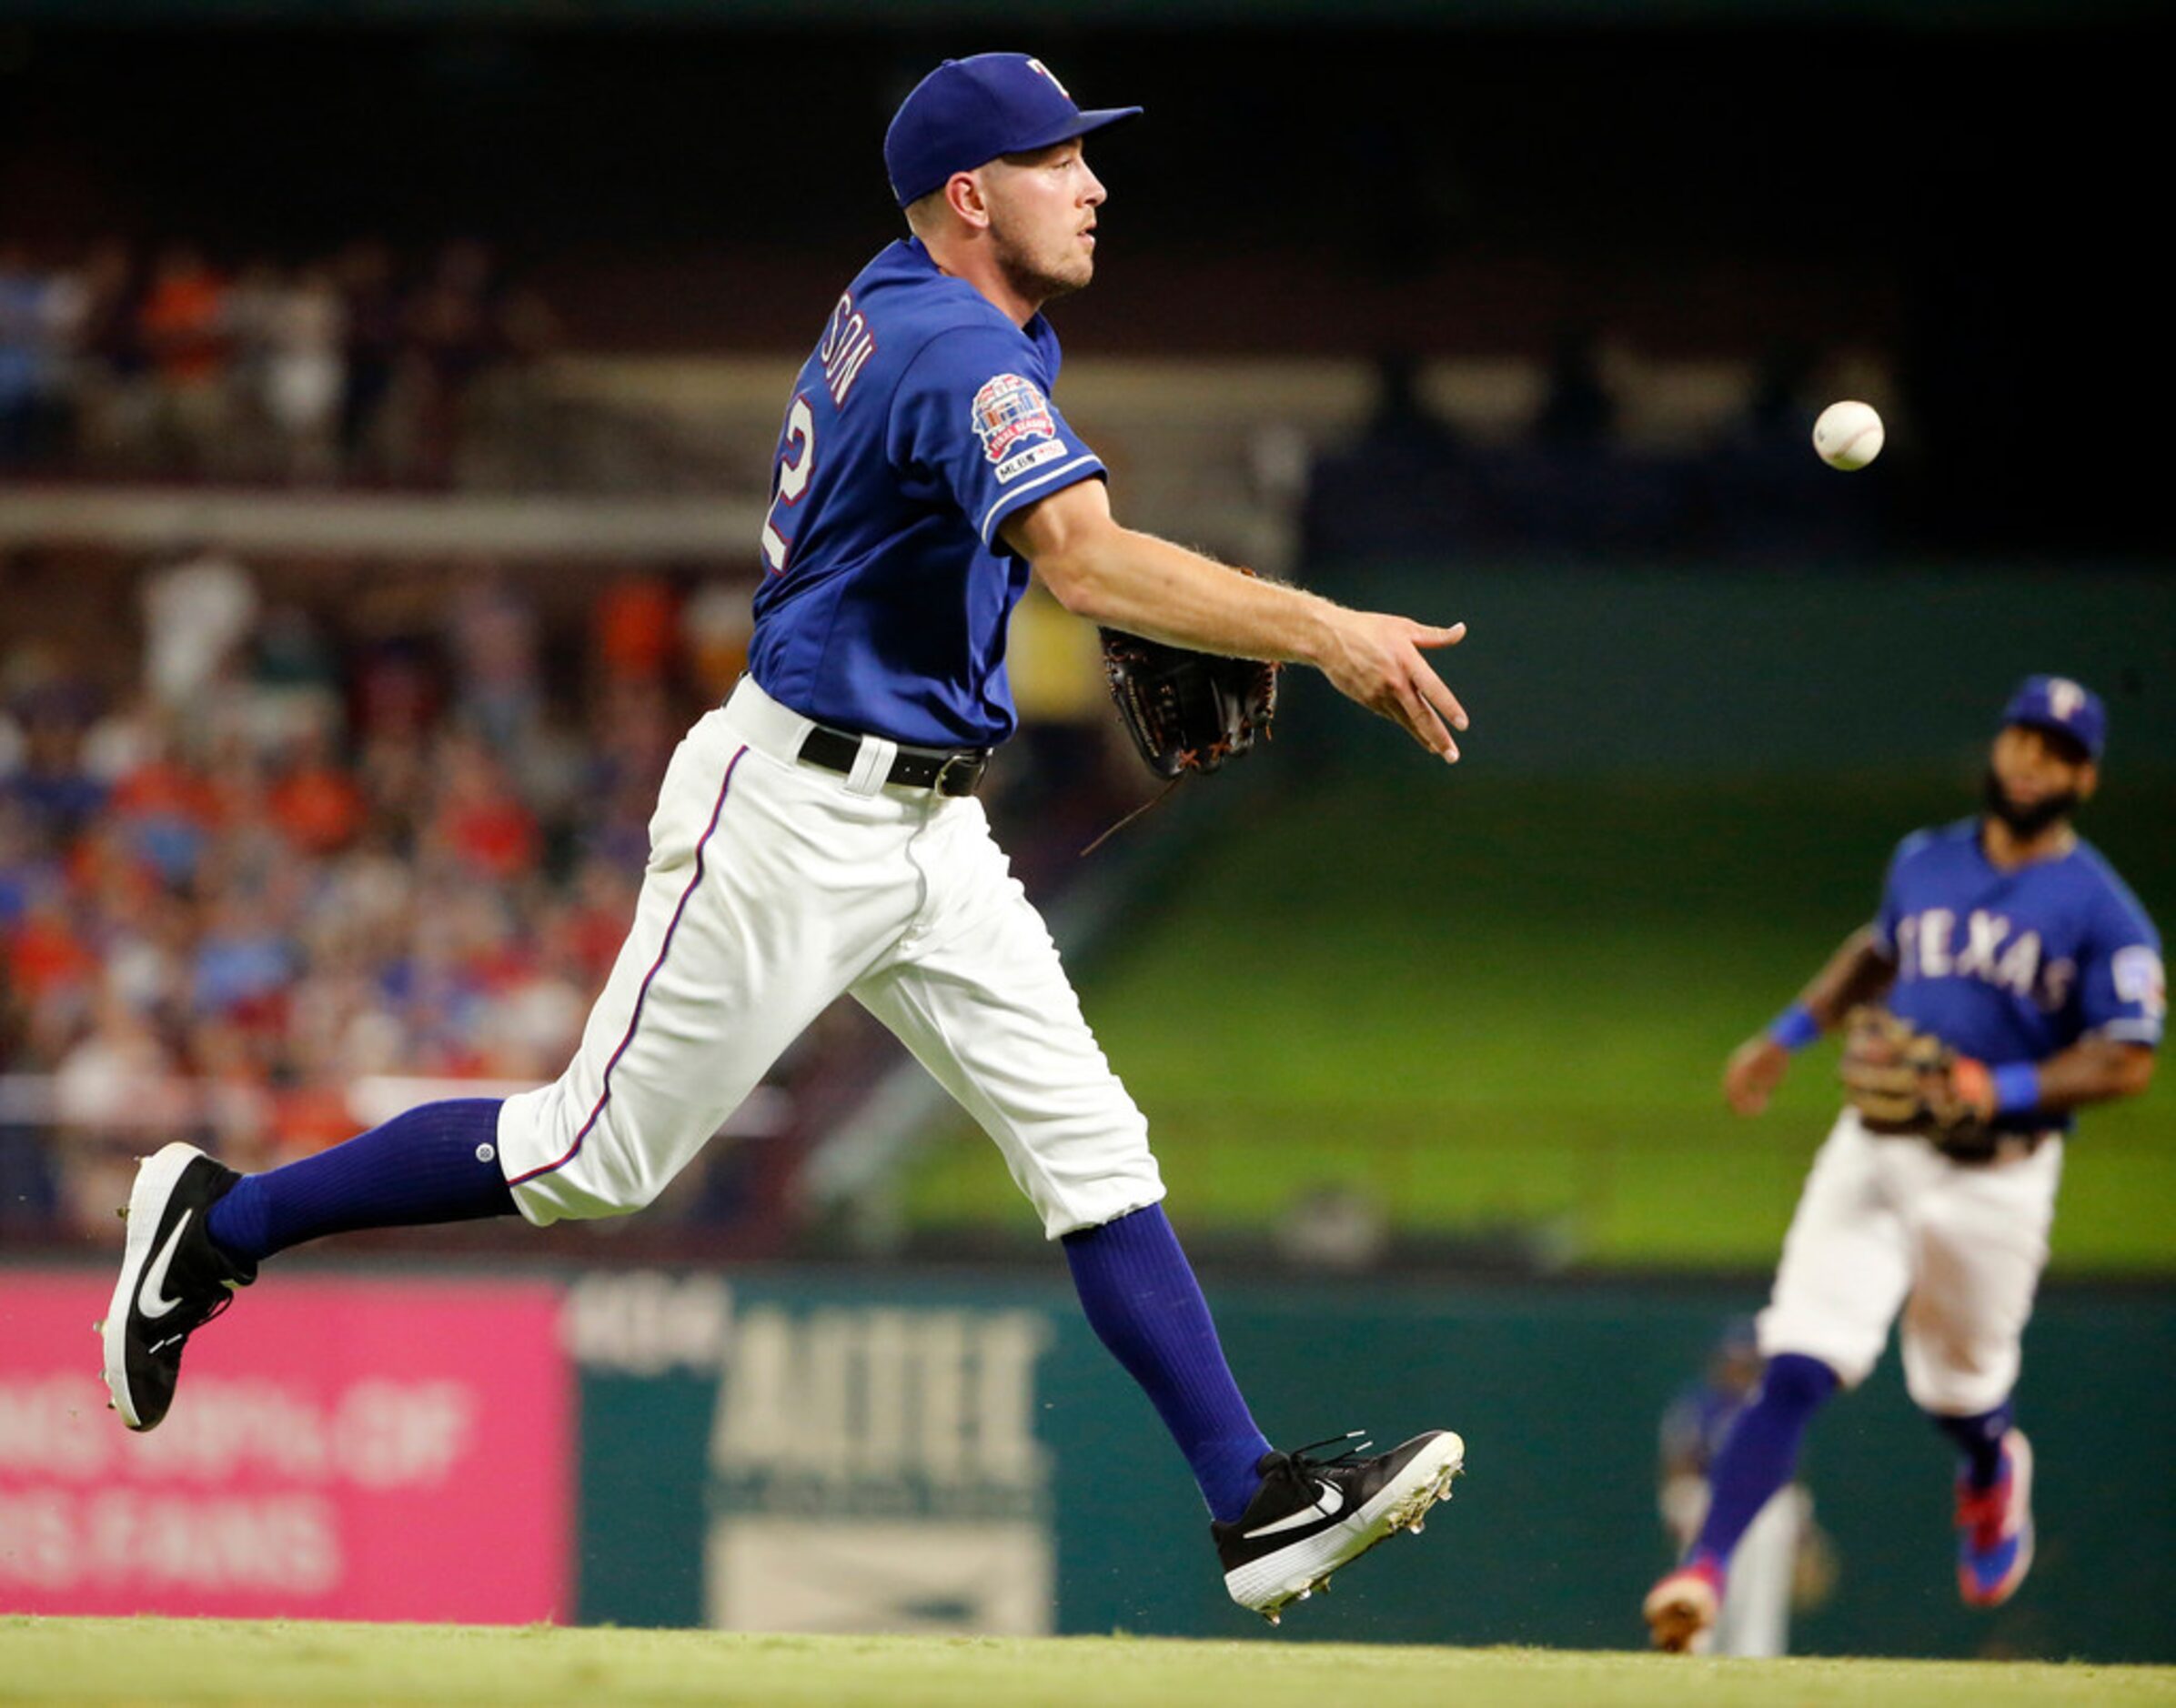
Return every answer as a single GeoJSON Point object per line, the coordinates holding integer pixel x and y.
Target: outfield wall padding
{"type": "Point", "coordinates": [882, 1452]}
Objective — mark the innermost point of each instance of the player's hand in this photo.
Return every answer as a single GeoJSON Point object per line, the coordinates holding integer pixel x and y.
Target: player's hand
{"type": "Point", "coordinates": [1374, 658]}
{"type": "Point", "coordinates": [1754, 1072]}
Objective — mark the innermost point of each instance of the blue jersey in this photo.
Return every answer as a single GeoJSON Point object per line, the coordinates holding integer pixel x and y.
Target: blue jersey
{"type": "Point", "coordinates": [2017, 966]}
{"type": "Point", "coordinates": [920, 423]}
{"type": "Point", "coordinates": [1699, 1421]}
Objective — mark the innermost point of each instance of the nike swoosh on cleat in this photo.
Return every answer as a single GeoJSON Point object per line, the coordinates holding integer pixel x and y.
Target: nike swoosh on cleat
{"type": "Point", "coordinates": [1328, 1505]}
{"type": "Point", "coordinates": [151, 1297]}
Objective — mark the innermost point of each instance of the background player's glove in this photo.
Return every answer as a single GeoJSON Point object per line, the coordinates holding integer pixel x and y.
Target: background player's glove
{"type": "Point", "coordinates": [1903, 1080]}
{"type": "Point", "coordinates": [1187, 711]}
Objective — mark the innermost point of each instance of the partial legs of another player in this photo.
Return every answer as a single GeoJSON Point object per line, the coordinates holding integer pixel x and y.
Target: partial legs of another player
{"type": "Point", "coordinates": [1889, 1230]}
{"type": "Point", "coordinates": [1994, 1502]}
{"type": "Point", "coordinates": [1755, 1461]}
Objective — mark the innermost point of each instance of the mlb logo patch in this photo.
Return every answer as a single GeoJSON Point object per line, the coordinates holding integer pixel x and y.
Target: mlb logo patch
{"type": "Point", "coordinates": [1008, 410]}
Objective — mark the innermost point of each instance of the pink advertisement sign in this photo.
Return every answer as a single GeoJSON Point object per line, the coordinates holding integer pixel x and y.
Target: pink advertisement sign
{"type": "Point", "coordinates": [339, 1449]}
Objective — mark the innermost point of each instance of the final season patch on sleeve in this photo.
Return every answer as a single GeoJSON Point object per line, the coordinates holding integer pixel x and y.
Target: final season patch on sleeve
{"type": "Point", "coordinates": [1009, 414]}
{"type": "Point", "coordinates": [2138, 978]}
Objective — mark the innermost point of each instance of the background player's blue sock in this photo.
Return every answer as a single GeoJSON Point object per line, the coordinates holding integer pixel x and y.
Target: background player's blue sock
{"type": "Point", "coordinates": [1980, 1439]}
{"type": "Point", "coordinates": [435, 1162]}
{"type": "Point", "coordinates": [1761, 1450]}
{"type": "Point", "coordinates": [1144, 1304]}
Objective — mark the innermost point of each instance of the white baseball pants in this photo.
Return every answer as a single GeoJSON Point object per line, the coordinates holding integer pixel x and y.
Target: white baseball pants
{"type": "Point", "coordinates": [1754, 1620]}
{"type": "Point", "coordinates": [772, 888]}
{"type": "Point", "coordinates": [1890, 1225]}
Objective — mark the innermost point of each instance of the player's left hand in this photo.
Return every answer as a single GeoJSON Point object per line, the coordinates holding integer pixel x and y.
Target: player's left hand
{"type": "Point", "coordinates": [1755, 1070]}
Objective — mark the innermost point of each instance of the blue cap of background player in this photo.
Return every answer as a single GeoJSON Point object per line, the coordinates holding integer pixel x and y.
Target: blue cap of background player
{"type": "Point", "coordinates": [968, 112]}
{"type": "Point", "coordinates": [2068, 708]}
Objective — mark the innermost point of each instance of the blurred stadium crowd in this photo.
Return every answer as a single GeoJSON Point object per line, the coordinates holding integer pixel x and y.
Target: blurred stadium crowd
{"type": "Point", "coordinates": [443, 369]}
{"type": "Point", "coordinates": [275, 836]}
{"type": "Point", "coordinates": [1732, 478]}
{"type": "Point", "coordinates": [271, 833]}
{"type": "Point", "coordinates": [288, 856]}
{"type": "Point", "coordinates": [364, 365]}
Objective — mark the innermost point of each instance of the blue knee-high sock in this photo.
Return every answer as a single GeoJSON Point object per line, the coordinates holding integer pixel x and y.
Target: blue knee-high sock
{"type": "Point", "coordinates": [1144, 1304]}
{"type": "Point", "coordinates": [1761, 1452]}
{"type": "Point", "coordinates": [1980, 1439]}
{"type": "Point", "coordinates": [437, 1162]}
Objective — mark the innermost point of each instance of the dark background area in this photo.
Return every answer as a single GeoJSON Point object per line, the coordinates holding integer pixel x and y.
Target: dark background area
{"type": "Point", "coordinates": [1977, 199]}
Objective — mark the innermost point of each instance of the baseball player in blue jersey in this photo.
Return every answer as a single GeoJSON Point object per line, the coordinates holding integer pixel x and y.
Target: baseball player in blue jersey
{"type": "Point", "coordinates": [2023, 981]}
{"type": "Point", "coordinates": [818, 834]}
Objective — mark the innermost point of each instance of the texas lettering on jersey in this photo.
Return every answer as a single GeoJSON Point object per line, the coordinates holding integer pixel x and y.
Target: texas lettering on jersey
{"type": "Point", "coordinates": [1990, 948]}
{"type": "Point", "coordinates": [2017, 964]}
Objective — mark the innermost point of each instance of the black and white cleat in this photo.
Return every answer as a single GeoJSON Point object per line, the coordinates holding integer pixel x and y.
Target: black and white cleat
{"type": "Point", "coordinates": [174, 1279]}
{"type": "Point", "coordinates": [1311, 1516]}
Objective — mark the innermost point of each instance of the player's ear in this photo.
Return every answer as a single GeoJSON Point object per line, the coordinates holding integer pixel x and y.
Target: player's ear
{"type": "Point", "coordinates": [963, 195]}
{"type": "Point", "coordinates": [2089, 779]}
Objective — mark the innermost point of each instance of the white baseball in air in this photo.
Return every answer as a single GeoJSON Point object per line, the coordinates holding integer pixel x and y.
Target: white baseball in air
{"type": "Point", "coordinates": [1848, 435]}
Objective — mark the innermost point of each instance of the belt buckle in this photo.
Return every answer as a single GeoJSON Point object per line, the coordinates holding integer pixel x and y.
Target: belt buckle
{"type": "Point", "coordinates": [2015, 1147]}
{"type": "Point", "coordinates": [966, 756]}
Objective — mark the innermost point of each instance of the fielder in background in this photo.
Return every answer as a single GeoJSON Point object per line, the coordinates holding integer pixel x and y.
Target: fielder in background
{"type": "Point", "coordinates": [2023, 981]}
{"type": "Point", "coordinates": [818, 835]}
{"type": "Point", "coordinates": [1783, 1560]}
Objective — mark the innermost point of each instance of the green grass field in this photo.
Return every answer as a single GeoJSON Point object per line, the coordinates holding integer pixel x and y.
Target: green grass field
{"type": "Point", "coordinates": [1505, 1005]}
{"type": "Point", "coordinates": [296, 1665]}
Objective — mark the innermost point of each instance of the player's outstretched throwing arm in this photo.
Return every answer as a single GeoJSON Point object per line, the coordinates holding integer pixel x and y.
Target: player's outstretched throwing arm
{"type": "Point", "coordinates": [2093, 1070]}
{"type": "Point", "coordinates": [1117, 577]}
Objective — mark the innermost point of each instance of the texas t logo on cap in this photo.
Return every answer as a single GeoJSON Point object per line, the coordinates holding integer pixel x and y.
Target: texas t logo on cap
{"type": "Point", "coordinates": [968, 112]}
{"type": "Point", "coordinates": [2066, 707]}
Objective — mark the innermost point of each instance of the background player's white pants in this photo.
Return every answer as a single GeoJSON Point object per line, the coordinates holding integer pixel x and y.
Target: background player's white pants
{"type": "Point", "coordinates": [772, 888]}
{"type": "Point", "coordinates": [1890, 1224]}
{"type": "Point", "coordinates": [1755, 1617]}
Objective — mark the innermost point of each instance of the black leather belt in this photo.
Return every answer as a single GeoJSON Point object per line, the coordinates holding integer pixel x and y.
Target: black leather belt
{"type": "Point", "coordinates": [1978, 1144]}
{"type": "Point", "coordinates": [948, 770]}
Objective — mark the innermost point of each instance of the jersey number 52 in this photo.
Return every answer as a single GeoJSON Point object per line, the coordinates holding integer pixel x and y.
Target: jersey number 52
{"type": "Point", "coordinates": [794, 469]}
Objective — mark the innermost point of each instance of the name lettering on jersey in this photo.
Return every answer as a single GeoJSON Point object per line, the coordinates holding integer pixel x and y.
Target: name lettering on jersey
{"type": "Point", "coordinates": [848, 343]}
{"type": "Point", "coordinates": [1007, 410]}
{"type": "Point", "coordinates": [1927, 948]}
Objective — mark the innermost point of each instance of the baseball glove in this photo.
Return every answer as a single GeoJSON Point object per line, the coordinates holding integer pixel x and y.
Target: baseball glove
{"type": "Point", "coordinates": [1903, 1080]}
{"type": "Point", "coordinates": [1187, 711]}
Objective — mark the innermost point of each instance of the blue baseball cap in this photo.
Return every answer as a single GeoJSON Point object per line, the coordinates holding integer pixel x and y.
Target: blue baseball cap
{"type": "Point", "coordinates": [2068, 708]}
{"type": "Point", "coordinates": [970, 111]}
